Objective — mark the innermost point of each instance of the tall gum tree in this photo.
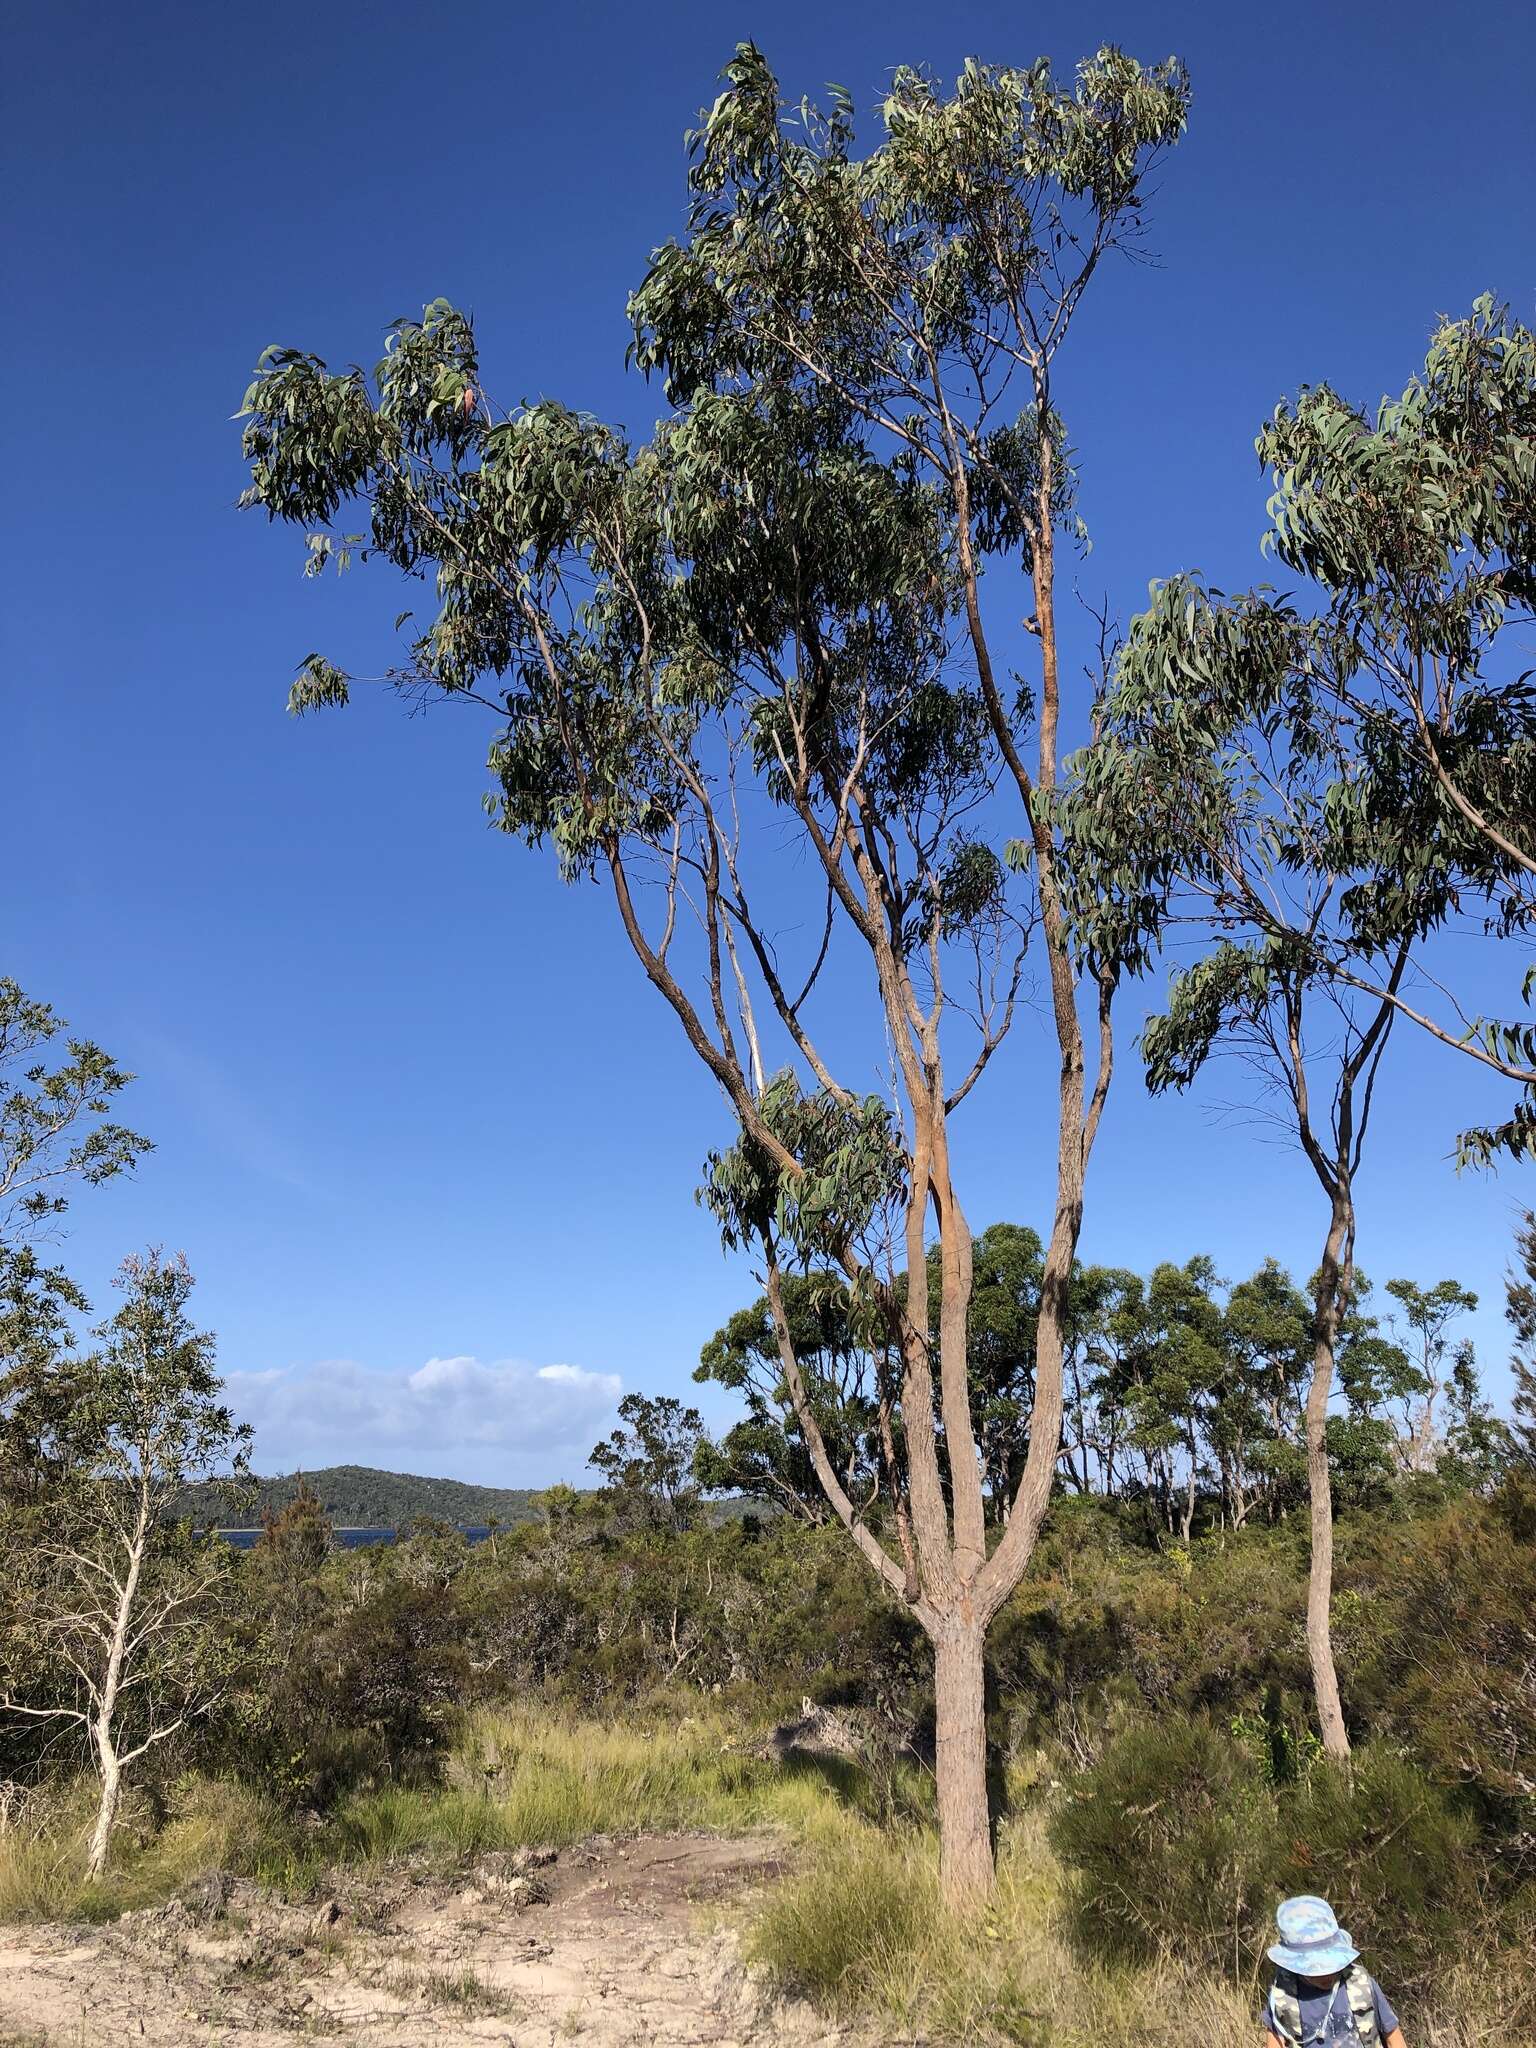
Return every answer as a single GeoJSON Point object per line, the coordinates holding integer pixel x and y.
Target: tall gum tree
{"type": "Point", "coordinates": [1249, 788]}
{"type": "Point", "coordinates": [1415, 526]}
{"type": "Point", "coordinates": [773, 614]}
{"type": "Point", "coordinates": [1327, 785]}
{"type": "Point", "coordinates": [1240, 787]}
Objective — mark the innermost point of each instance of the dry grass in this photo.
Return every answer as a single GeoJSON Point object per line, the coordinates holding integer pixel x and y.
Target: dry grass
{"type": "Point", "coordinates": [461, 1990]}
{"type": "Point", "coordinates": [210, 1826]}
{"type": "Point", "coordinates": [1488, 2001]}
{"type": "Point", "coordinates": [521, 1778]}
{"type": "Point", "coordinates": [513, 1779]}
{"type": "Point", "coordinates": [860, 1930]}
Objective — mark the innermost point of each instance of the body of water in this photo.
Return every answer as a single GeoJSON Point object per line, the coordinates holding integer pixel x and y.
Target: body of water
{"type": "Point", "coordinates": [344, 1539]}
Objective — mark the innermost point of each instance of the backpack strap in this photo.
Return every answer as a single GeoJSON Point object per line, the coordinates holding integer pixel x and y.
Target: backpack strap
{"type": "Point", "coordinates": [1362, 2004]}
{"type": "Point", "coordinates": [1285, 2006]}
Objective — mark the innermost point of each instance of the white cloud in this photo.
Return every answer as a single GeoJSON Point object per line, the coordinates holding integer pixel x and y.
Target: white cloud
{"type": "Point", "coordinates": [503, 1424]}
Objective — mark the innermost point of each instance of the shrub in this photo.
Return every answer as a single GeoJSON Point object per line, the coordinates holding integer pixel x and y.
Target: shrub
{"type": "Point", "coordinates": [860, 1929]}
{"type": "Point", "coordinates": [366, 1697]}
{"type": "Point", "coordinates": [1170, 1842]}
{"type": "Point", "coordinates": [1460, 1593]}
{"type": "Point", "coordinates": [1278, 1739]}
{"type": "Point", "coordinates": [1177, 1847]}
{"type": "Point", "coordinates": [1392, 1855]}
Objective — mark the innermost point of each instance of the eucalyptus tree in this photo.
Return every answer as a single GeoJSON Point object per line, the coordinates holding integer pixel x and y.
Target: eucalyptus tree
{"type": "Point", "coordinates": [764, 1455]}
{"type": "Point", "coordinates": [55, 1115]}
{"type": "Point", "coordinates": [1326, 787]}
{"type": "Point", "coordinates": [116, 1591]}
{"type": "Point", "coordinates": [1434, 1367]}
{"type": "Point", "coordinates": [1417, 527]}
{"type": "Point", "coordinates": [1258, 1426]}
{"type": "Point", "coordinates": [1007, 1271]}
{"type": "Point", "coordinates": [769, 620]}
{"type": "Point", "coordinates": [1257, 1429]}
{"type": "Point", "coordinates": [1100, 1386]}
{"type": "Point", "coordinates": [43, 1423]}
{"type": "Point", "coordinates": [1248, 787]}
{"type": "Point", "coordinates": [57, 1131]}
{"type": "Point", "coordinates": [648, 1462]}
{"type": "Point", "coordinates": [1162, 1345]}
{"type": "Point", "coordinates": [1520, 1308]}
{"type": "Point", "coordinates": [1183, 1370]}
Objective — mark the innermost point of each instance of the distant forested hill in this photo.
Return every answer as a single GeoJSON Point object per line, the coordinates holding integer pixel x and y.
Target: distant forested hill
{"type": "Point", "coordinates": [357, 1497]}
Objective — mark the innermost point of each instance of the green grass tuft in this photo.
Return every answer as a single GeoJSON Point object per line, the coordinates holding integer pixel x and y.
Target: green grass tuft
{"type": "Point", "coordinates": [860, 1929]}
{"type": "Point", "coordinates": [837, 1932]}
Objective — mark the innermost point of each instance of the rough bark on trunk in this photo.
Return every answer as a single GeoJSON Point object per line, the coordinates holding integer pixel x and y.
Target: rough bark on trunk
{"type": "Point", "coordinates": [1333, 1282]}
{"type": "Point", "coordinates": [960, 1726]}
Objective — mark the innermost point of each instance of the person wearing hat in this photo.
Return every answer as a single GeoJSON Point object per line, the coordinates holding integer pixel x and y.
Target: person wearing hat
{"type": "Point", "coordinates": [1322, 1997]}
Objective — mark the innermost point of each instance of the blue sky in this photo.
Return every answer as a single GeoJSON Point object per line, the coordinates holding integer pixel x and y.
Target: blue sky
{"type": "Point", "coordinates": [422, 1132]}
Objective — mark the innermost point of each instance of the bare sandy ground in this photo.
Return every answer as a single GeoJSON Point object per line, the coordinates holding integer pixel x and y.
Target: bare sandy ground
{"type": "Point", "coordinates": [613, 1942]}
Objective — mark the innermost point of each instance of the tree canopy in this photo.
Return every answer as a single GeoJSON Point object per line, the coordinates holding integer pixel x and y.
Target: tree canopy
{"type": "Point", "coordinates": [1335, 778]}
{"type": "Point", "coordinates": [770, 615]}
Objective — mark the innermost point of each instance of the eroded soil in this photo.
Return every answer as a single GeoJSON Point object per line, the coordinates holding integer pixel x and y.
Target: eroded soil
{"type": "Point", "coordinates": [611, 1942]}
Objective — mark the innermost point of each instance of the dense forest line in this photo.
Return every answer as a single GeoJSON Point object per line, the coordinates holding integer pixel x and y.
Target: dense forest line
{"type": "Point", "coordinates": [362, 1497]}
{"type": "Point", "coordinates": [1180, 1389]}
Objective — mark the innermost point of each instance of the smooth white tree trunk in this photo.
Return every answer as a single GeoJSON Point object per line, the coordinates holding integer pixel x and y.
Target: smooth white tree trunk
{"type": "Point", "coordinates": [108, 1764]}
{"type": "Point", "coordinates": [110, 1772]}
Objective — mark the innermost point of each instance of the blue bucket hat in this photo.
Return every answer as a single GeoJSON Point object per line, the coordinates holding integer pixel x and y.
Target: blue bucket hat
{"type": "Point", "coordinates": [1312, 1943]}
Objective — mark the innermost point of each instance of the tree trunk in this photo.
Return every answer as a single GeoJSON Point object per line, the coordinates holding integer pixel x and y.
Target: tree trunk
{"type": "Point", "coordinates": [960, 1726]}
{"type": "Point", "coordinates": [106, 1813]}
{"type": "Point", "coordinates": [1188, 1521]}
{"type": "Point", "coordinates": [107, 1764]}
{"type": "Point", "coordinates": [1332, 1283]}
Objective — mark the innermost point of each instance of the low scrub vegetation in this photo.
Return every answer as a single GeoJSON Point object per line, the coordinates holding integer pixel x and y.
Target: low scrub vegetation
{"type": "Point", "coordinates": [1157, 1772]}
{"type": "Point", "coordinates": [861, 1928]}
{"type": "Point", "coordinates": [1176, 1839]}
{"type": "Point", "coordinates": [1156, 1784]}
{"type": "Point", "coordinates": [191, 1825]}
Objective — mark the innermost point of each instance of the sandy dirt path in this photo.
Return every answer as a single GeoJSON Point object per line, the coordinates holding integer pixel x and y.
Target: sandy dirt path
{"type": "Point", "coordinates": [613, 1942]}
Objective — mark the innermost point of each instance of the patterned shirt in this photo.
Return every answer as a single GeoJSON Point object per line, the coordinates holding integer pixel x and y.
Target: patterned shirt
{"type": "Point", "coordinates": [1326, 2020]}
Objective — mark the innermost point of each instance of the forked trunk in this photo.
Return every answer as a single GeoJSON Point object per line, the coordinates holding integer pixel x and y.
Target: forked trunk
{"type": "Point", "coordinates": [960, 1727]}
{"type": "Point", "coordinates": [1332, 1285]}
